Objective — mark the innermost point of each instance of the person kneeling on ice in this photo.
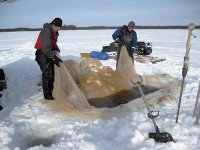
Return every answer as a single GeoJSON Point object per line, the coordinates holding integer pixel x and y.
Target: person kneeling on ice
{"type": "Point", "coordinates": [128, 37]}
{"type": "Point", "coordinates": [46, 46]}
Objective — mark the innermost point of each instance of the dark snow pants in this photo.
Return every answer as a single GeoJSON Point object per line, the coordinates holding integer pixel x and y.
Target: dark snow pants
{"type": "Point", "coordinates": [47, 68]}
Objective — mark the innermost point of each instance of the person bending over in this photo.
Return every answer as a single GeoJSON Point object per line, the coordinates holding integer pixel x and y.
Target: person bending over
{"type": "Point", "coordinates": [128, 37]}
{"type": "Point", "coordinates": [45, 55]}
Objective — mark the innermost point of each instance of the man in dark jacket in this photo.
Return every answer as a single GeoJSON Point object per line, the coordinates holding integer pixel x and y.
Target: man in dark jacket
{"type": "Point", "coordinates": [46, 46]}
{"type": "Point", "coordinates": [128, 37]}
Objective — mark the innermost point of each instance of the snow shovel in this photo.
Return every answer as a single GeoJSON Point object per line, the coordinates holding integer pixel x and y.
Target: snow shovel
{"type": "Point", "coordinates": [158, 137]}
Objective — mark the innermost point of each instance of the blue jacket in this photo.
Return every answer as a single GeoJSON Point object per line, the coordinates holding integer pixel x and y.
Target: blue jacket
{"type": "Point", "coordinates": [118, 34]}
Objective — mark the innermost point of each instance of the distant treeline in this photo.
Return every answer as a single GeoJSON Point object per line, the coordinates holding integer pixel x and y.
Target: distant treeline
{"type": "Point", "coordinates": [137, 27]}
{"type": "Point", "coordinates": [73, 27]}
{"type": "Point", "coordinates": [65, 27]}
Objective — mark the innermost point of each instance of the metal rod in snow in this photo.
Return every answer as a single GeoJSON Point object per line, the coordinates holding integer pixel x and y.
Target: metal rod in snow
{"type": "Point", "coordinates": [198, 116]}
{"type": "Point", "coordinates": [191, 26]}
{"type": "Point", "coordinates": [196, 103]}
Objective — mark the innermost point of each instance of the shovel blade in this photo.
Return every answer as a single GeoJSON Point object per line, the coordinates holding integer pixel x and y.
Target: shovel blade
{"type": "Point", "coordinates": [161, 137]}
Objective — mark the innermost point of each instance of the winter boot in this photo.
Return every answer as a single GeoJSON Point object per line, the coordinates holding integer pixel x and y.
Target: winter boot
{"type": "Point", "coordinates": [48, 95]}
{"type": "Point", "coordinates": [46, 89]}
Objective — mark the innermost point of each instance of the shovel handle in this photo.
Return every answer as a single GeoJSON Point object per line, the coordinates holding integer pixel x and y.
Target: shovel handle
{"type": "Point", "coordinates": [152, 115]}
{"type": "Point", "coordinates": [147, 106]}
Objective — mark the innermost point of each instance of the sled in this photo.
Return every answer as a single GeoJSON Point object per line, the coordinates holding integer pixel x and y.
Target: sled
{"type": "Point", "coordinates": [139, 58]}
{"type": "Point", "coordinates": [148, 59]}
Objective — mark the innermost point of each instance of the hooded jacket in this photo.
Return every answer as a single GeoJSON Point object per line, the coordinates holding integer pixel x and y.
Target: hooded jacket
{"type": "Point", "coordinates": [47, 41]}
{"type": "Point", "coordinates": [124, 31]}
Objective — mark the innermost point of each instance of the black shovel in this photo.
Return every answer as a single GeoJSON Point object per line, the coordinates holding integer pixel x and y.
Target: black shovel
{"type": "Point", "coordinates": [158, 137]}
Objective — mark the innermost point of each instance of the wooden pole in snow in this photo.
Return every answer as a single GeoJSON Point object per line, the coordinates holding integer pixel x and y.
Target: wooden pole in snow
{"type": "Point", "coordinates": [198, 116]}
{"type": "Point", "coordinates": [196, 103]}
{"type": "Point", "coordinates": [191, 26]}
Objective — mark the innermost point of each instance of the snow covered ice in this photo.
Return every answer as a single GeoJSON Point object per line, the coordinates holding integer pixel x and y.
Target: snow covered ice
{"type": "Point", "coordinates": [25, 123]}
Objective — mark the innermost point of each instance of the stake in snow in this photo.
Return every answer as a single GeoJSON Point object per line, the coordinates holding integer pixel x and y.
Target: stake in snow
{"type": "Point", "coordinates": [185, 65]}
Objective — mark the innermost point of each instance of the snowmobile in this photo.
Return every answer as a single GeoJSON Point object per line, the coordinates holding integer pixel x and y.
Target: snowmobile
{"type": "Point", "coordinates": [112, 49]}
{"type": "Point", "coordinates": [144, 48]}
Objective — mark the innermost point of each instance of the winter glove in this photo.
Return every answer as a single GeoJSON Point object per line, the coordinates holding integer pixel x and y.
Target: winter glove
{"type": "Point", "coordinates": [120, 42]}
{"type": "Point", "coordinates": [56, 61]}
{"type": "Point", "coordinates": [57, 50]}
{"type": "Point", "coordinates": [133, 49]}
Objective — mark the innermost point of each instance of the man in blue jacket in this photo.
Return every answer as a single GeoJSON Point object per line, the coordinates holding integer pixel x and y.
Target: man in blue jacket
{"type": "Point", "coordinates": [128, 37]}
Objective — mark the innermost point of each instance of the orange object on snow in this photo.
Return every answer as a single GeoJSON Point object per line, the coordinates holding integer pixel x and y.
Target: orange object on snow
{"type": "Point", "coordinates": [85, 55]}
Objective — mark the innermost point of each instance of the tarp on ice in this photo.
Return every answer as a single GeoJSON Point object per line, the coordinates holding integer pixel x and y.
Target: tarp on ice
{"type": "Point", "coordinates": [81, 88]}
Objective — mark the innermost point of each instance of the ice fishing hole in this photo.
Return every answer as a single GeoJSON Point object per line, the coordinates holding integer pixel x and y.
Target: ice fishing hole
{"type": "Point", "coordinates": [36, 141]}
{"type": "Point", "coordinates": [119, 98]}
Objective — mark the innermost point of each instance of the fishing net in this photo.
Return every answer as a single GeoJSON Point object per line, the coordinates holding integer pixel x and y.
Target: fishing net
{"type": "Point", "coordinates": [88, 89]}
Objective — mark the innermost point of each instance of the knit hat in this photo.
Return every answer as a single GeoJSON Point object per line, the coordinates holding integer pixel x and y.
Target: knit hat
{"type": "Point", "coordinates": [131, 24]}
{"type": "Point", "coordinates": [57, 22]}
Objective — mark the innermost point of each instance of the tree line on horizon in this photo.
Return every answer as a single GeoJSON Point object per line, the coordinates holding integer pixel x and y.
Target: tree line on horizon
{"type": "Point", "coordinates": [73, 27]}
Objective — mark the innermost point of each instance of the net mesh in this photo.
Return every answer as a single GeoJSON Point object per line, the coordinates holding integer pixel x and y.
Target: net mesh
{"type": "Point", "coordinates": [77, 86]}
